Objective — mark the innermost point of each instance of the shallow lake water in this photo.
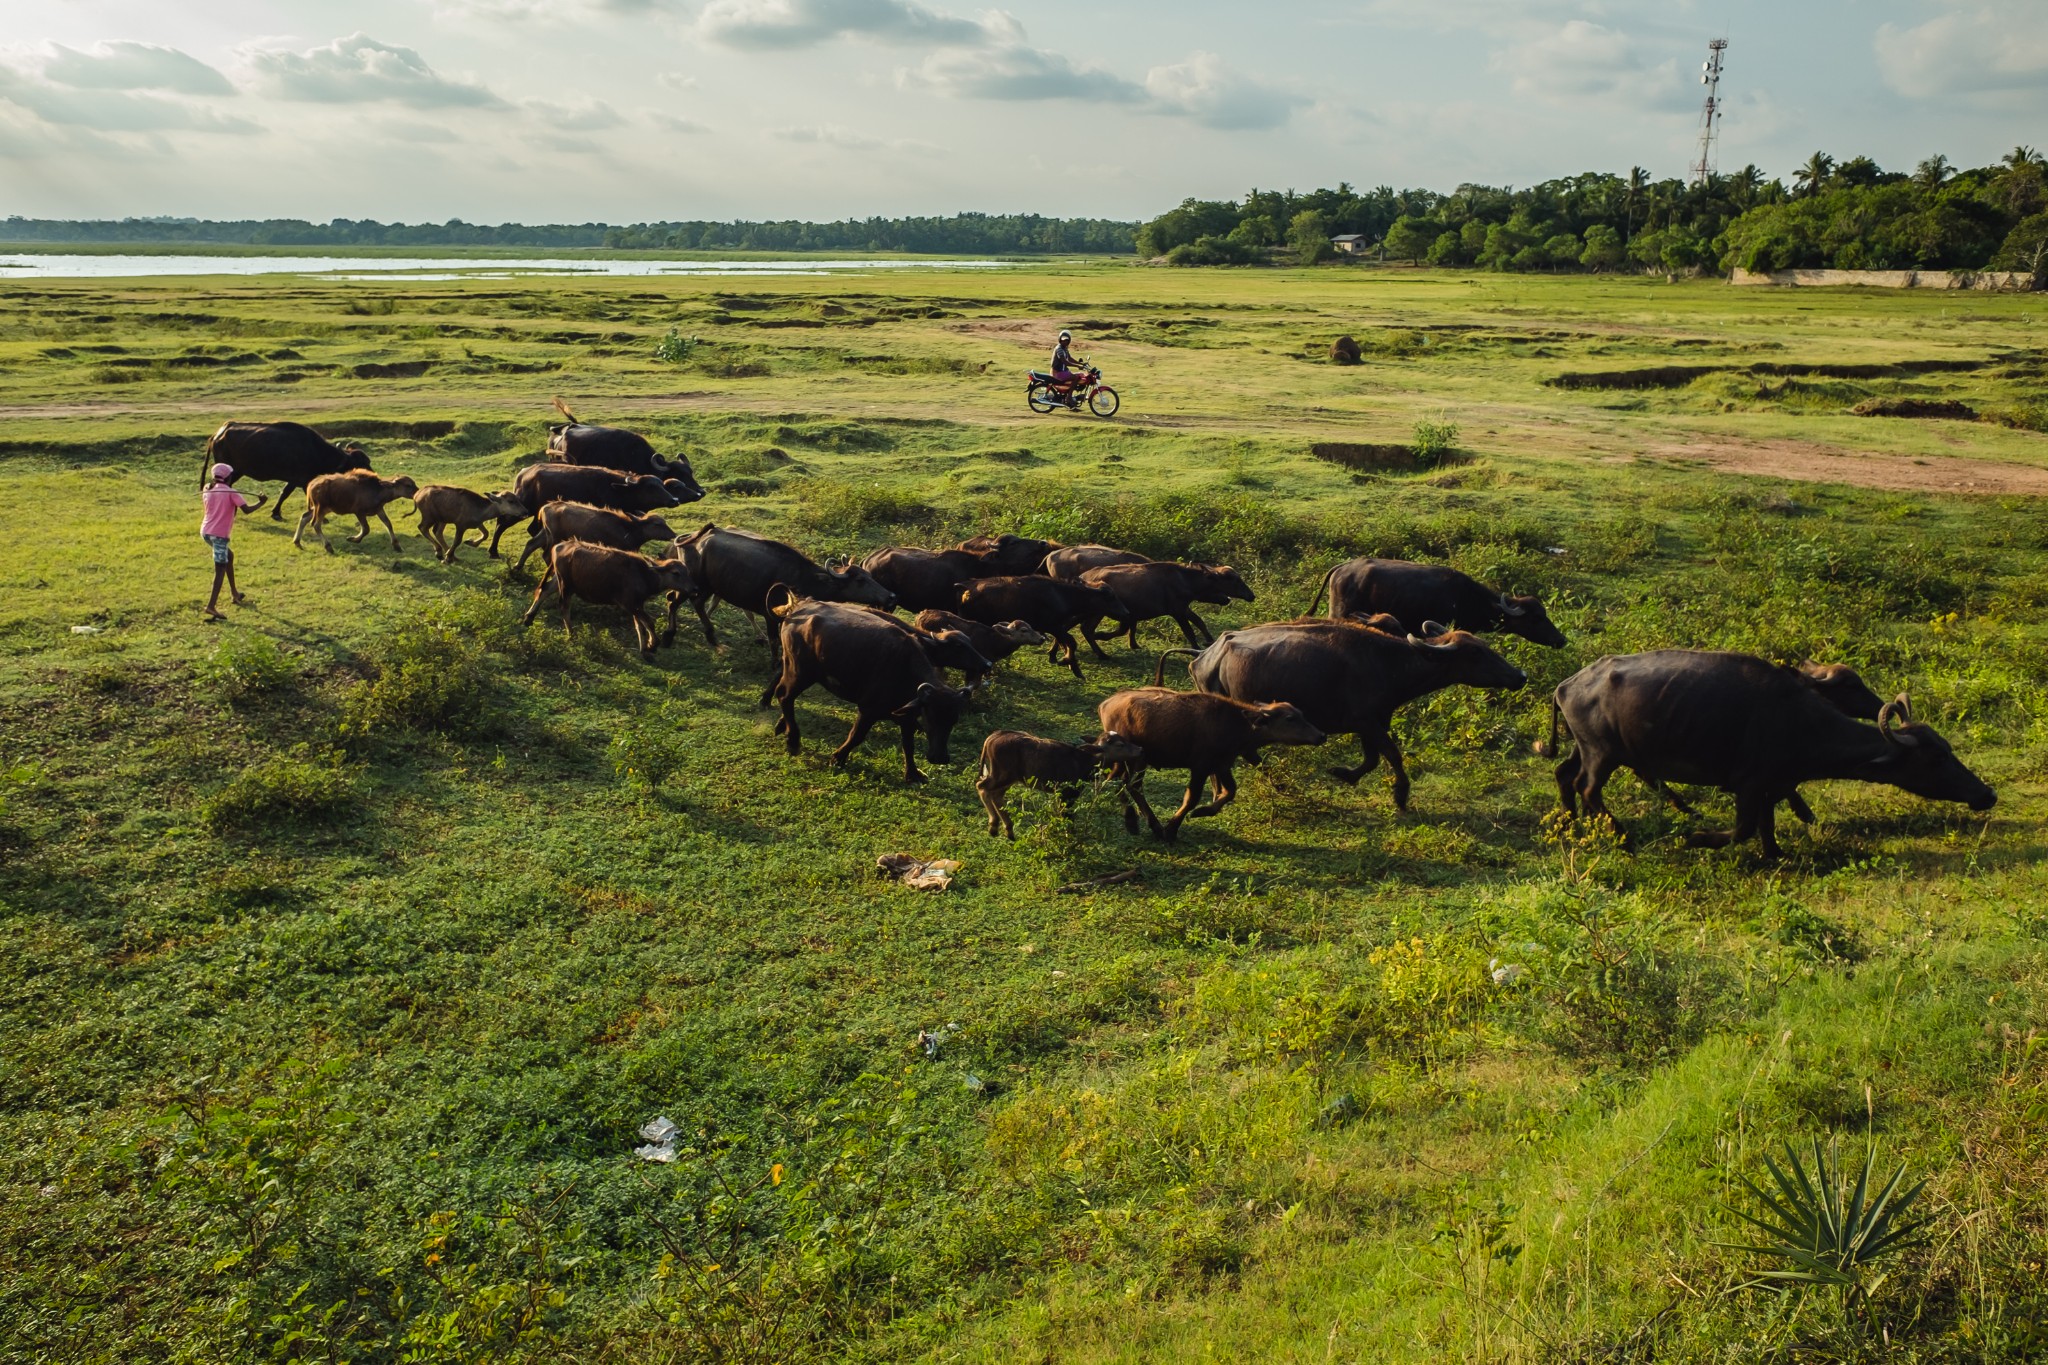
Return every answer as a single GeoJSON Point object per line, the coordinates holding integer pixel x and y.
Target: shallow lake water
{"type": "Point", "coordinates": [22, 265]}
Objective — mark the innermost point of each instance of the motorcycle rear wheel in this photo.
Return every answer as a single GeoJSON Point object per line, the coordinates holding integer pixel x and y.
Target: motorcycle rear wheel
{"type": "Point", "coordinates": [1103, 402]}
{"type": "Point", "coordinates": [1039, 397]}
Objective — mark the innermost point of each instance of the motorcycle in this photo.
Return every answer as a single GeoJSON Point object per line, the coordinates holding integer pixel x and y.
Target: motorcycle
{"type": "Point", "coordinates": [1044, 393]}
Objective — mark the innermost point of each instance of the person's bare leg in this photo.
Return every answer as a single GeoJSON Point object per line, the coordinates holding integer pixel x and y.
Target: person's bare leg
{"type": "Point", "coordinates": [220, 572]}
{"type": "Point", "coordinates": [234, 589]}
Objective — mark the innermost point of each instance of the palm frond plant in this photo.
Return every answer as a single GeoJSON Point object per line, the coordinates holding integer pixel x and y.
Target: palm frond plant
{"type": "Point", "coordinates": [1824, 1233]}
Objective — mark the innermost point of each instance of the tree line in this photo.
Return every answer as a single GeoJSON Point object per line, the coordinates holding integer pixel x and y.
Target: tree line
{"type": "Point", "coordinates": [962, 234]}
{"type": "Point", "coordinates": [1849, 215]}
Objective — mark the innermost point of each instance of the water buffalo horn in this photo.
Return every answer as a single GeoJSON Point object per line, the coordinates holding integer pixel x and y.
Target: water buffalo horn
{"type": "Point", "coordinates": [1507, 606]}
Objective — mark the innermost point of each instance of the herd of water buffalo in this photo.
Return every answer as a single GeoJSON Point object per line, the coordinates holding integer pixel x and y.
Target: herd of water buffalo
{"type": "Point", "coordinates": [1394, 632]}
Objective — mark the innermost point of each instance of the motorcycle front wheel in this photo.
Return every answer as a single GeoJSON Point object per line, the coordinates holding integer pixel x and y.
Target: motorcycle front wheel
{"type": "Point", "coordinates": [1103, 402]}
{"type": "Point", "coordinates": [1039, 396]}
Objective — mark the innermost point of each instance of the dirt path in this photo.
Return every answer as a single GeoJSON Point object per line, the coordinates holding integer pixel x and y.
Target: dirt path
{"type": "Point", "coordinates": [1811, 463]}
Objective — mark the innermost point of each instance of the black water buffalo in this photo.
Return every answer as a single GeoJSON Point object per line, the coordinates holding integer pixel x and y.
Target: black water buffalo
{"type": "Point", "coordinates": [1009, 757]}
{"type": "Point", "coordinates": [924, 580]}
{"type": "Point", "coordinates": [1842, 688]}
{"type": "Point", "coordinates": [581, 443]}
{"type": "Point", "coordinates": [617, 578]}
{"type": "Point", "coordinates": [1746, 725]}
{"type": "Point", "coordinates": [1432, 592]}
{"type": "Point", "coordinates": [870, 659]}
{"type": "Point", "coordinates": [1044, 604]}
{"type": "Point", "coordinates": [1150, 591]}
{"type": "Point", "coordinates": [994, 643]}
{"type": "Point", "coordinates": [1347, 678]}
{"type": "Point", "coordinates": [560, 522]}
{"type": "Point", "coordinates": [1071, 561]}
{"type": "Point", "coordinates": [1006, 554]}
{"type": "Point", "coordinates": [293, 455]}
{"type": "Point", "coordinates": [1206, 734]}
{"type": "Point", "coordinates": [540, 484]}
{"type": "Point", "coordinates": [740, 567]}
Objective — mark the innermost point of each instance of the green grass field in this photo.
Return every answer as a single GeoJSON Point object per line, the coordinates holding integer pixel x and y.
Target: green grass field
{"type": "Point", "coordinates": [348, 944]}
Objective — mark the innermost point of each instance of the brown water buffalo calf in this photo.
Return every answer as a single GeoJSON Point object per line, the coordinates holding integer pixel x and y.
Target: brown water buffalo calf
{"type": "Point", "coordinates": [540, 484]}
{"type": "Point", "coordinates": [581, 443]}
{"type": "Point", "coordinates": [1432, 592]}
{"type": "Point", "coordinates": [1743, 724]}
{"type": "Point", "coordinates": [559, 522]}
{"type": "Point", "coordinates": [444, 504]}
{"type": "Point", "coordinates": [614, 578]}
{"type": "Point", "coordinates": [1150, 591]}
{"type": "Point", "coordinates": [1006, 554]}
{"type": "Point", "coordinates": [872, 660]}
{"type": "Point", "coordinates": [740, 567]}
{"type": "Point", "coordinates": [1071, 561]}
{"type": "Point", "coordinates": [923, 580]}
{"type": "Point", "coordinates": [1009, 757]}
{"type": "Point", "coordinates": [292, 454]}
{"type": "Point", "coordinates": [994, 643]}
{"type": "Point", "coordinates": [1046, 605]}
{"type": "Point", "coordinates": [1348, 678]}
{"type": "Point", "coordinates": [1206, 734]}
{"type": "Point", "coordinates": [359, 494]}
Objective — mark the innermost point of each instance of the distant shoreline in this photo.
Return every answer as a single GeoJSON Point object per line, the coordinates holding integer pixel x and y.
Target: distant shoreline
{"type": "Point", "coordinates": [506, 253]}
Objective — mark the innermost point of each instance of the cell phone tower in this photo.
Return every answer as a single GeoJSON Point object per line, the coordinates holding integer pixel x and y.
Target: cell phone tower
{"type": "Point", "coordinates": [1710, 112]}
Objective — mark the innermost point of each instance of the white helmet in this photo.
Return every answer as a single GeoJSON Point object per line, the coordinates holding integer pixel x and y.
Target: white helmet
{"type": "Point", "coordinates": [1066, 336]}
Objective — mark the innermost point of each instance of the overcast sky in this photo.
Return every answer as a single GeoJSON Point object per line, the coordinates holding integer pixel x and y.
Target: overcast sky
{"type": "Point", "coordinates": [624, 110]}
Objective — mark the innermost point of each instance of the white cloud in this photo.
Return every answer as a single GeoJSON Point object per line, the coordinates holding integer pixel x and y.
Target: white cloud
{"type": "Point", "coordinates": [359, 70]}
{"type": "Point", "coordinates": [671, 123]}
{"type": "Point", "coordinates": [1015, 71]}
{"type": "Point", "coordinates": [1009, 68]}
{"type": "Point", "coordinates": [111, 111]}
{"type": "Point", "coordinates": [776, 24]}
{"type": "Point", "coordinates": [1990, 48]}
{"type": "Point", "coordinates": [829, 135]}
{"type": "Point", "coordinates": [677, 80]}
{"type": "Point", "coordinates": [1202, 89]}
{"type": "Point", "coordinates": [586, 116]}
{"type": "Point", "coordinates": [548, 11]}
{"type": "Point", "coordinates": [1586, 62]}
{"type": "Point", "coordinates": [134, 66]}
{"type": "Point", "coordinates": [415, 132]}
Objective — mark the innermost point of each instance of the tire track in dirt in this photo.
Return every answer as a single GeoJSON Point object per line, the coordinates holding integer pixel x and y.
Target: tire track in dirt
{"type": "Point", "coordinates": [1808, 462]}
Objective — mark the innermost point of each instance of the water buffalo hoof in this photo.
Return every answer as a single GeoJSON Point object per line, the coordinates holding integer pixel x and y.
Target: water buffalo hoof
{"type": "Point", "coordinates": [1711, 838]}
{"type": "Point", "coordinates": [1345, 775]}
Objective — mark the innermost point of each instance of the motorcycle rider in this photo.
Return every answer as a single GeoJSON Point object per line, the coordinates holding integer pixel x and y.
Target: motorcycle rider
{"type": "Point", "coordinates": [1065, 372]}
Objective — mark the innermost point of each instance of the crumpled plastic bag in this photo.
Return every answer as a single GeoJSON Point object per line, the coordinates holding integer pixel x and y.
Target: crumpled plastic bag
{"type": "Point", "coordinates": [661, 1140]}
{"type": "Point", "coordinates": [917, 873]}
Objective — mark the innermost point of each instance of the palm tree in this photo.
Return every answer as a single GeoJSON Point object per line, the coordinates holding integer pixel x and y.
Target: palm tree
{"type": "Point", "coordinates": [2022, 156]}
{"type": "Point", "coordinates": [1931, 173]}
{"type": "Point", "coordinates": [1638, 181]}
{"type": "Point", "coordinates": [1814, 174]}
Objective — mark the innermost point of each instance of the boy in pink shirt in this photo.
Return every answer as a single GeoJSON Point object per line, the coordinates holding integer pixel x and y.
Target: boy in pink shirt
{"type": "Point", "coordinates": [220, 504]}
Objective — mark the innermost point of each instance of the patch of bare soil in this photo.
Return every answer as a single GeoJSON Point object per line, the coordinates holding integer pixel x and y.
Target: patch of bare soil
{"type": "Point", "coordinates": [1811, 463]}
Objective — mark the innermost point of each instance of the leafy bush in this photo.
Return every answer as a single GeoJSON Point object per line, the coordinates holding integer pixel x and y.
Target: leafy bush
{"type": "Point", "coordinates": [287, 788]}
{"type": "Point", "coordinates": [836, 509]}
{"type": "Point", "coordinates": [675, 348]}
{"type": "Point", "coordinates": [1434, 440]}
{"type": "Point", "coordinates": [1214, 250]}
{"type": "Point", "coordinates": [244, 666]}
{"type": "Point", "coordinates": [427, 676]}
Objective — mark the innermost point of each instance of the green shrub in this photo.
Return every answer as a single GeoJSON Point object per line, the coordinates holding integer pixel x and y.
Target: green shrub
{"type": "Point", "coordinates": [284, 789]}
{"type": "Point", "coordinates": [427, 676]}
{"type": "Point", "coordinates": [675, 348]}
{"type": "Point", "coordinates": [244, 666]}
{"type": "Point", "coordinates": [1434, 440]}
{"type": "Point", "coordinates": [832, 508]}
